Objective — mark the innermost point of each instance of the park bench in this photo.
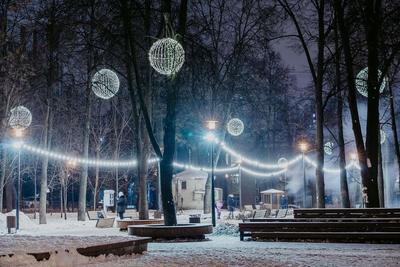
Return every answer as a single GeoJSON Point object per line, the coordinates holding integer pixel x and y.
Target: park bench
{"type": "Point", "coordinates": [248, 211]}
{"type": "Point", "coordinates": [349, 225]}
{"type": "Point", "coordinates": [347, 213]}
{"type": "Point", "coordinates": [102, 220]}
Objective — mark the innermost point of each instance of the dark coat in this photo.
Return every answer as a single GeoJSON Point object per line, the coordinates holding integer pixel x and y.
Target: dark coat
{"type": "Point", "coordinates": [121, 204]}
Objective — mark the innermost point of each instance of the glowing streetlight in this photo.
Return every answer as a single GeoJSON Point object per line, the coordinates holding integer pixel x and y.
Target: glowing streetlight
{"type": "Point", "coordinates": [303, 146]}
{"type": "Point", "coordinates": [211, 124]}
{"type": "Point", "coordinates": [353, 156]}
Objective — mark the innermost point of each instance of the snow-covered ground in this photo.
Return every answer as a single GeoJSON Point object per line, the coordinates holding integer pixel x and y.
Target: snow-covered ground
{"type": "Point", "coordinates": [222, 248]}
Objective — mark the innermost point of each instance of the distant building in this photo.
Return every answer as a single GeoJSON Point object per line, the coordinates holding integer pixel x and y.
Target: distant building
{"type": "Point", "coordinates": [271, 198]}
{"type": "Point", "coordinates": [189, 190]}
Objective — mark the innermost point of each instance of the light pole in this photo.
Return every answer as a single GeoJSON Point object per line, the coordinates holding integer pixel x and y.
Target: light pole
{"type": "Point", "coordinates": [212, 125]}
{"type": "Point", "coordinates": [18, 145]}
{"type": "Point", "coordinates": [303, 148]}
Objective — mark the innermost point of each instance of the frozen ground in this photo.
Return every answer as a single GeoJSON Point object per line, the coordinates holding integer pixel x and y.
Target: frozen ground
{"type": "Point", "coordinates": [221, 249]}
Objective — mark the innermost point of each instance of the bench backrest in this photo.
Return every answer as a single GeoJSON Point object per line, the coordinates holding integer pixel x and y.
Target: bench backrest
{"type": "Point", "coordinates": [347, 213]}
{"type": "Point", "coordinates": [105, 222]}
{"type": "Point", "coordinates": [248, 207]}
{"type": "Point", "coordinates": [259, 214]}
{"type": "Point", "coordinates": [95, 214]}
{"type": "Point", "coordinates": [281, 213]}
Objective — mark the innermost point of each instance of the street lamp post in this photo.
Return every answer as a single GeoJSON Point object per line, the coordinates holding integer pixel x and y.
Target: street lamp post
{"type": "Point", "coordinates": [18, 186]}
{"type": "Point", "coordinates": [212, 186]}
{"type": "Point", "coordinates": [212, 125]}
{"type": "Point", "coordinates": [240, 186]}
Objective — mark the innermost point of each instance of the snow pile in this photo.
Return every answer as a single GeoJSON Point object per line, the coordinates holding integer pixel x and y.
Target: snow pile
{"type": "Point", "coordinates": [226, 229]}
{"type": "Point", "coordinates": [3, 224]}
{"type": "Point", "coordinates": [24, 221]}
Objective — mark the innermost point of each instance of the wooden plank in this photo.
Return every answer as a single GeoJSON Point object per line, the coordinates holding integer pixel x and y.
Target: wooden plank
{"type": "Point", "coordinates": [320, 227]}
{"type": "Point", "coordinates": [332, 213]}
{"type": "Point", "coordinates": [323, 220]}
{"type": "Point", "coordinates": [392, 237]}
{"type": "Point", "coordinates": [105, 223]}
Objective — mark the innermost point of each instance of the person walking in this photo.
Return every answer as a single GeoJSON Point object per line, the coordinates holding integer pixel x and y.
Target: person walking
{"type": "Point", "coordinates": [231, 206]}
{"type": "Point", "coordinates": [121, 205]}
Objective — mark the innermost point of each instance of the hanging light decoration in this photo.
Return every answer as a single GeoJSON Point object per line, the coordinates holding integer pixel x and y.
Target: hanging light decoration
{"type": "Point", "coordinates": [235, 127]}
{"type": "Point", "coordinates": [383, 136]}
{"type": "Point", "coordinates": [20, 118]}
{"type": "Point", "coordinates": [283, 163]}
{"type": "Point", "coordinates": [362, 82]}
{"type": "Point", "coordinates": [328, 148]}
{"type": "Point", "coordinates": [105, 83]}
{"type": "Point", "coordinates": [167, 56]}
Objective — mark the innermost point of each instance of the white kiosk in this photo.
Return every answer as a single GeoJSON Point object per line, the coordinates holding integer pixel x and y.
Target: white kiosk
{"type": "Point", "coordinates": [108, 199]}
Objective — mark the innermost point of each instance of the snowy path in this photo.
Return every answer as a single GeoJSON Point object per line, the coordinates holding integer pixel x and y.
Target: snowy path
{"type": "Point", "coordinates": [229, 251]}
{"type": "Point", "coordinates": [220, 250]}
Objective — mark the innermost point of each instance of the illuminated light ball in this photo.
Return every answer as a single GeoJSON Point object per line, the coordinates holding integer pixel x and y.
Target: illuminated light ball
{"type": "Point", "coordinates": [105, 83]}
{"type": "Point", "coordinates": [167, 56]}
{"type": "Point", "coordinates": [20, 118]}
{"type": "Point", "coordinates": [382, 136]}
{"type": "Point", "coordinates": [235, 127]}
{"type": "Point", "coordinates": [362, 82]}
{"type": "Point", "coordinates": [282, 163]}
{"type": "Point", "coordinates": [328, 148]}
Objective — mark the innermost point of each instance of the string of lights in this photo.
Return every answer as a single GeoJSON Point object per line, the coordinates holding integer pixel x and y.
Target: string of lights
{"type": "Point", "coordinates": [256, 163]}
{"type": "Point", "coordinates": [131, 163]}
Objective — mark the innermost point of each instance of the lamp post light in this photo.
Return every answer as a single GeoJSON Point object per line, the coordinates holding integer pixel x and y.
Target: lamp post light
{"type": "Point", "coordinates": [303, 146]}
{"type": "Point", "coordinates": [212, 125]}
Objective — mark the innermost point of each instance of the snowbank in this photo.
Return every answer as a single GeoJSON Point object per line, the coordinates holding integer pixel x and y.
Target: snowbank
{"type": "Point", "coordinates": [24, 221]}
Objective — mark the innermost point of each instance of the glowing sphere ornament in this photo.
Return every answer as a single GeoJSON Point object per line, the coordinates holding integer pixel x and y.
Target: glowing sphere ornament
{"type": "Point", "coordinates": [362, 82]}
{"type": "Point", "coordinates": [235, 127]}
{"type": "Point", "coordinates": [328, 148]}
{"type": "Point", "coordinates": [20, 118]}
{"type": "Point", "coordinates": [105, 83]}
{"type": "Point", "coordinates": [167, 56]}
{"type": "Point", "coordinates": [383, 136]}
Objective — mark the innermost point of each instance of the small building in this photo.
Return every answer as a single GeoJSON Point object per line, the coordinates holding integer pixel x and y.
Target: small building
{"type": "Point", "coordinates": [272, 198]}
{"type": "Point", "coordinates": [189, 189]}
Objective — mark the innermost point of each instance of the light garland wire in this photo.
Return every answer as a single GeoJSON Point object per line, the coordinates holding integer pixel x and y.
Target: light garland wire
{"type": "Point", "coordinates": [132, 163]}
{"type": "Point", "coordinates": [255, 162]}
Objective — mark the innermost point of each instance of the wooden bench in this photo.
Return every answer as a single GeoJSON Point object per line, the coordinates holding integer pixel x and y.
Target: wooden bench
{"type": "Point", "coordinates": [350, 225]}
{"type": "Point", "coordinates": [101, 217]}
{"type": "Point", "coordinates": [347, 213]}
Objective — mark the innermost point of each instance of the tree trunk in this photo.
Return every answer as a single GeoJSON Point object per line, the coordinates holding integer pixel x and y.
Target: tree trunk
{"type": "Point", "coordinates": [381, 181]}
{"type": "Point", "coordinates": [84, 177]}
{"type": "Point", "coordinates": [143, 157]}
{"type": "Point", "coordinates": [344, 190]}
{"type": "Point", "coordinates": [373, 25]}
{"type": "Point", "coordinates": [320, 183]}
{"type": "Point", "coordinates": [3, 175]}
{"type": "Point", "coordinates": [65, 191]}
{"type": "Point", "coordinates": [394, 131]}
{"type": "Point", "coordinates": [45, 163]}
{"type": "Point", "coordinates": [352, 98]}
{"type": "Point", "coordinates": [207, 196]}
{"type": "Point", "coordinates": [61, 198]}
{"type": "Point", "coordinates": [96, 183]}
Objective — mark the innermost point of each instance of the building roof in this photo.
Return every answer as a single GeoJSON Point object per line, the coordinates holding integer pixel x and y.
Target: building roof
{"type": "Point", "coordinates": [191, 174]}
{"type": "Point", "coordinates": [272, 191]}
